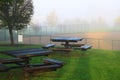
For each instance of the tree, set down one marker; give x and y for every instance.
(117, 22)
(35, 28)
(15, 15)
(52, 18)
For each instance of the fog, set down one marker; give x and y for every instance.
(89, 10)
(74, 16)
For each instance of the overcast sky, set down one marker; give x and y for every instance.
(83, 9)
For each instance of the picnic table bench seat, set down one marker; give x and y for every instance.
(42, 68)
(74, 45)
(62, 49)
(47, 46)
(11, 60)
(3, 68)
(52, 61)
(84, 47)
(48, 65)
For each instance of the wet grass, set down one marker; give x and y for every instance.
(88, 65)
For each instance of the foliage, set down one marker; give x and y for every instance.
(15, 14)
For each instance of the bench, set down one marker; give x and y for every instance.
(11, 60)
(62, 49)
(85, 47)
(42, 68)
(48, 65)
(52, 61)
(48, 46)
(3, 68)
(20, 63)
(74, 45)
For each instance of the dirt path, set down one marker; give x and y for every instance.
(96, 35)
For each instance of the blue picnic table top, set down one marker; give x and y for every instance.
(66, 39)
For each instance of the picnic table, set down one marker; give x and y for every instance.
(26, 54)
(22, 57)
(68, 46)
(67, 40)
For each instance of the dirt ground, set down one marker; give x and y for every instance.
(101, 40)
(98, 35)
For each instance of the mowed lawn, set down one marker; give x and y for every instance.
(79, 65)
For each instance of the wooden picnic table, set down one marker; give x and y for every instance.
(26, 54)
(67, 40)
(22, 58)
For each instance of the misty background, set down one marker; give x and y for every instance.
(74, 16)
(98, 21)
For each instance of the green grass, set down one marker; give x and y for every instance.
(89, 65)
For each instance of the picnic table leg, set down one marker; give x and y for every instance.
(26, 75)
(66, 44)
(27, 64)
